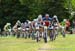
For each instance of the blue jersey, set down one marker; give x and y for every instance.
(49, 19)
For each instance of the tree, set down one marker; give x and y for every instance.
(11, 11)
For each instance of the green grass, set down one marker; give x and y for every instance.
(21, 44)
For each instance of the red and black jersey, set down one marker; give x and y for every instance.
(47, 23)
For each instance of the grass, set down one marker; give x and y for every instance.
(60, 44)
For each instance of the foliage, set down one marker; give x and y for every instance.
(13, 10)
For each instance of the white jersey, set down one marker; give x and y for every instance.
(27, 26)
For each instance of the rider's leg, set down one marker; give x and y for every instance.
(63, 31)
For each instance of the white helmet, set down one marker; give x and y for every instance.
(54, 16)
(8, 23)
(47, 15)
(29, 22)
(35, 20)
(64, 20)
(39, 16)
(18, 21)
